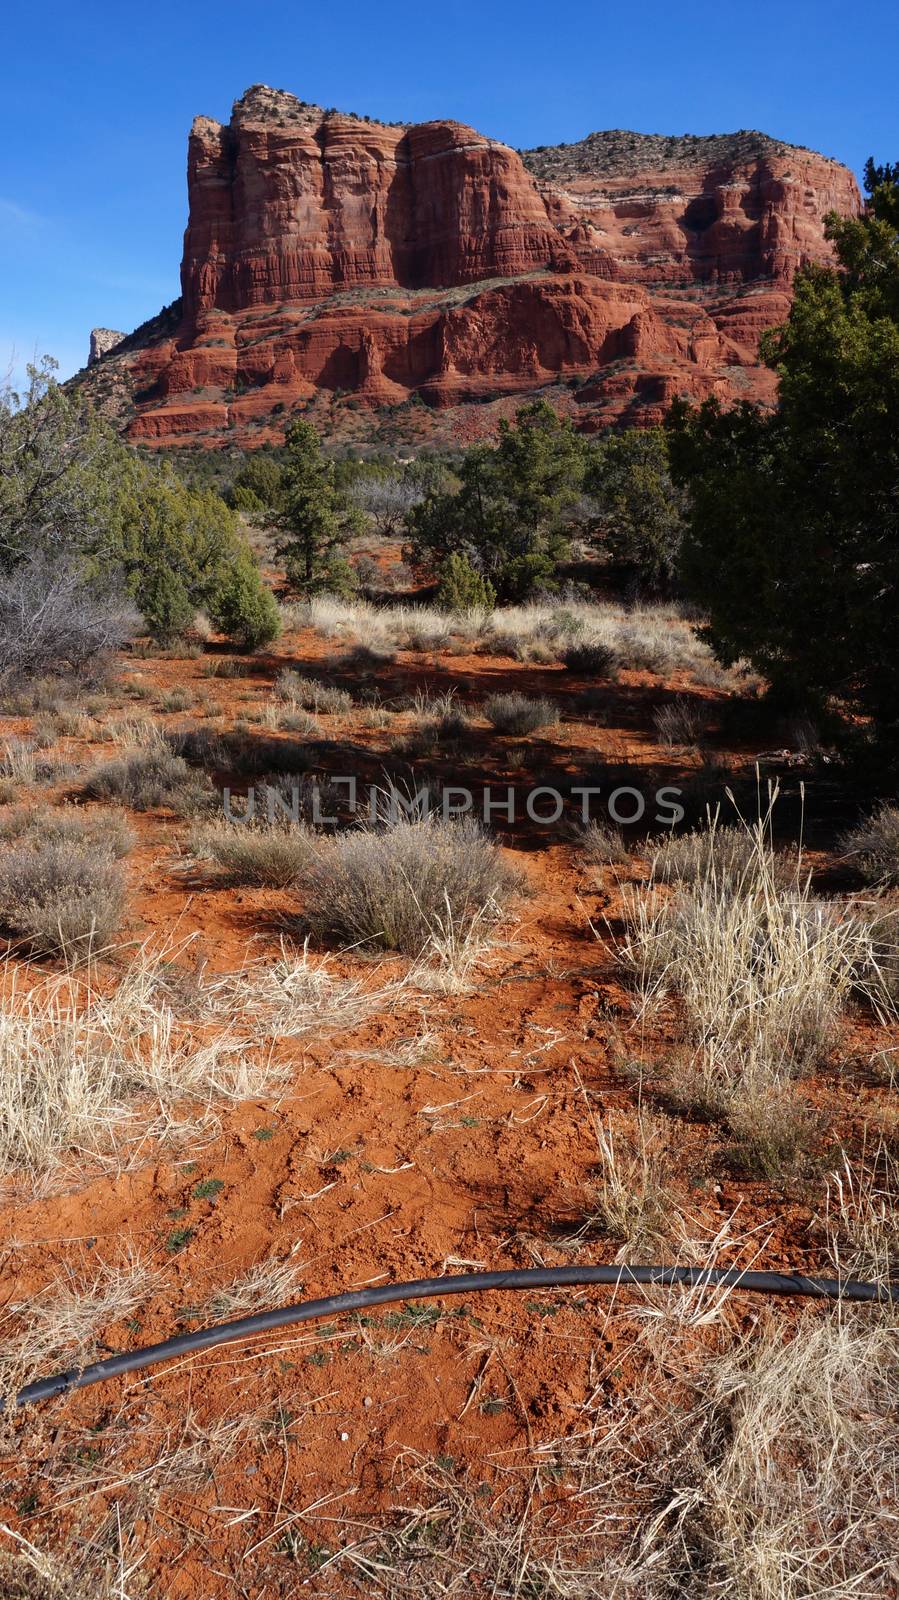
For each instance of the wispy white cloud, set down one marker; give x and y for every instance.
(17, 222)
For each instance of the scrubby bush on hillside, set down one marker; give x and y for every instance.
(311, 694)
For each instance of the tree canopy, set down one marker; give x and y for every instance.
(71, 490)
(792, 544)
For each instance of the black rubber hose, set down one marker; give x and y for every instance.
(458, 1283)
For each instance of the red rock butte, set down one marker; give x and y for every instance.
(329, 256)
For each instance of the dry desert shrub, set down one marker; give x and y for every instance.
(760, 973)
(396, 886)
(679, 723)
(67, 896)
(259, 853)
(516, 714)
(67, 824)
(874, 846)
(21, 767)
(310, 694)
(601, 844)
(725, 854)
(631, 1196)
(150, 776)
(591, 658)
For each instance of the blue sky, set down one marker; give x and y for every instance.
(98, 100)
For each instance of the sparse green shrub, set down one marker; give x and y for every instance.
(244, 608)
(460, 587)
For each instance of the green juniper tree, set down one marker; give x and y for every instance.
(792, 544)
(639, 508)
(516, 506)
(313, 519)
(72, 492)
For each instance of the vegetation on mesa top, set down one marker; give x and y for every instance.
(618, 153)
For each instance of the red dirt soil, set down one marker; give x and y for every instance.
(479, 1149)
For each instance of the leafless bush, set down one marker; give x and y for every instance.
(679, 723)
(396, 887)
(874, 846)
(516, 714)
(54, 620)
(386, 501)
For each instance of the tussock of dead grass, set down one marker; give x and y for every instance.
(405, 885)
(60, 1327)
(91, 1071)
(760, 974)
(759, 1462)
(299, 994)
(264, 1285)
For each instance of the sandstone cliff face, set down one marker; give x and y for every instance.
(325, 253)
(102, 341)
